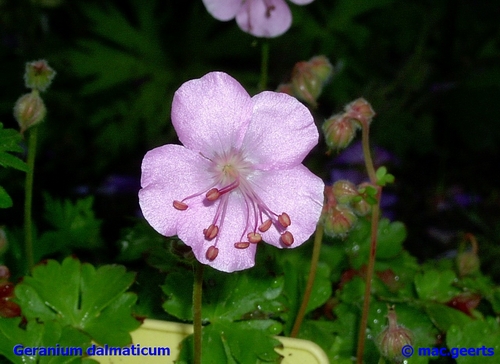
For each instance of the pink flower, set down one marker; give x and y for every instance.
(238, 179)
(262, 18)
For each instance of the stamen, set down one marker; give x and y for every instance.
(287, 238)
(265, 226)
(212, 253)
(242, 245)
(181, 206)
(284, 220)
(213, 194)
(211, 232)
(254, 237)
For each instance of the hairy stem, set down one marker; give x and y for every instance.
(197, 294)
(318, 237)
(28, 198)
(264, 65)
(373, 243)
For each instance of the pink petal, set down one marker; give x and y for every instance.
(299, 193)
(222, 9)
(264, 18)
(199, 217)
(169, 173)
(301, 2)
(282, 131)
(211, 113)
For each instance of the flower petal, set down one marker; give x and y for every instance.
(211, 113)
(222, 9)
(301, 2)
(199, 217)
(264, 18)
(169, 173)
(282, 131)
(299, 193)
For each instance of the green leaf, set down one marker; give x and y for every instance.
(49, 335)
(444, 317)
(81, 296)
(75, 224)
(179, 290)
(5, 200)
(226, 297)
(390, 238)
(223, 343)
(434, 285)
(477, 342)
(10, 140)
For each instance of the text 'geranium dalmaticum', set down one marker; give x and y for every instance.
(238, 179)
(261, 18)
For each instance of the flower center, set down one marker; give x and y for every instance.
(230, 172)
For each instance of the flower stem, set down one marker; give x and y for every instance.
(264, 65)
(318, 237)
(365, 140)
(369, 275)
(197, 294)
(373, 243)
(28, 198)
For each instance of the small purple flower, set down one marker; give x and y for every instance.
(261, 18)
(238, 179)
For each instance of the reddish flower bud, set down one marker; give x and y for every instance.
(394, 338)
(361, 207)
(285, 88)
(468, 261)
(339, 131)
(38, 75)
(309, 78)
(344, 191)
(29, 110)
(4, 273)
(321, 68)
(361, 110)
(339, 221)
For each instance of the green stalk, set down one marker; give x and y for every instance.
(28, 200)
(264, 64)
(373, 244)
(197, 295)
(318, 237)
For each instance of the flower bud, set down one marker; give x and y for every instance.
(308, 78)
(394, 338)
(339, 220)
(361, 110)
(361, 207)
(285, 88)
(321, 68)
(344, 191)
(4, 273)
(305, 84)
(38, 75)
(29, 110)
(339, 131)
(467, 263)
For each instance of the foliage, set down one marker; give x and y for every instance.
(70, 304)
(9, 142)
